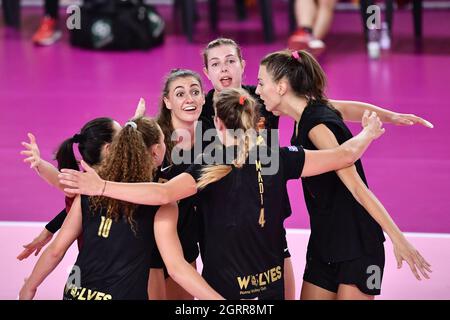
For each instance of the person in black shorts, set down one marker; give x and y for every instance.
(118, 237)
(243, 229)
(224, 66)
(345, 256)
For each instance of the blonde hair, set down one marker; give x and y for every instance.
(237, 110)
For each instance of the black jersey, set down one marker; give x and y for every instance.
(341, 229)
(188, 217)
(243, 255)
(187, 226)
(268, 121)
(56, 223)
(114, 261)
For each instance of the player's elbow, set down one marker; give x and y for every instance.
(56, 252)
(349, 157)
(164, 196)
(174, 269)
(358, 191)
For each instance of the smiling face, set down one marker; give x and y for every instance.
(268, 91)
(185, 99)
(224, 67)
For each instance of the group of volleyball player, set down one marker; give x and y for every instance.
(155, 194)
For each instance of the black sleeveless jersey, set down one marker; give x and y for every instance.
(187, 226)
(114, 260)
(341, 229)
(268, 121)
(242, 246)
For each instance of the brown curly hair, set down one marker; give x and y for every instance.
(129, 160)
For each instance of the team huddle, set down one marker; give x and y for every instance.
(207, 178)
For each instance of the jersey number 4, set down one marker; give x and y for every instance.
(105, 227)
(262, 220)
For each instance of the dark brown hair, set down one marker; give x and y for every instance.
(304, 74)
(91, 139)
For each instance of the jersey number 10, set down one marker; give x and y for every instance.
(105, 227)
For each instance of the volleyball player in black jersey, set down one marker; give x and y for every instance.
(224, 66)
(93, 142)
(347, 220)
(118, 237)
(243, 226)
(180, 107)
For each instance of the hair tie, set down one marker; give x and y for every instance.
(242, 100)
(296, 56)
(131, 124)
(77, 138)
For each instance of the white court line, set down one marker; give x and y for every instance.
(22, 224)
(408, 234)
(289, 231)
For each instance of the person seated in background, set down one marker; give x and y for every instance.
(314, 19)
(48, 32)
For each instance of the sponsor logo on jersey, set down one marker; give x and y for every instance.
(87, 294)
(258, 282)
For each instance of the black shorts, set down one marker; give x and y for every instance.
(190, 255)
(365, 272)
(190, 252)
(188, 235)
